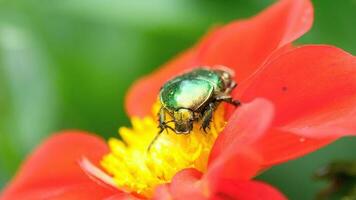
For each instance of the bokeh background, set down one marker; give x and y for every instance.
(67, 65)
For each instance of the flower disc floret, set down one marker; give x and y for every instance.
(138, 170)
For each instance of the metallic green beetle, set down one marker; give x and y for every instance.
(194, 96)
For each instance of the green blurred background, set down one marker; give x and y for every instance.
(68, 64)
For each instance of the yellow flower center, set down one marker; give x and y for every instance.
(135, 169)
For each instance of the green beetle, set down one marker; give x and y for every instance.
(194, 96)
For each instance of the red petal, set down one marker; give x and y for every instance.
(314, 90)
(241, 45)
(52, 170)
(245, 45)
(246, 190)
(143, 93)
(232, 156)
(337, 119)
(162, 192)
(279, 146)
(123, 196)
(185, 185)
(188, 185)
(310, 85)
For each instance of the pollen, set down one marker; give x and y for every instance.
(137, 170)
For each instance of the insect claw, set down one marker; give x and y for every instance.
(236, 103)
(204, 129)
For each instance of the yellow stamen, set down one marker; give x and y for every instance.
(135, 169)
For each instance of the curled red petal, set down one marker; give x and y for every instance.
(52, 171)
(245, 190)
(241, 45)
(232, 156)
(162, 192)
(188, 184)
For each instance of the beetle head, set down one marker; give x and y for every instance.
(183, 119)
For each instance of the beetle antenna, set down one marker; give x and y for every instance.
(154, 139)
(158, 134)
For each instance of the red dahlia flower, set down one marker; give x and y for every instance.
(295, 100)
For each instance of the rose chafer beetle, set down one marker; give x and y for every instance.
(193, 97)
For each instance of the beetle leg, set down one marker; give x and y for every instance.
(162, 121)
(232, 86)
(229, 99)
(161, 117)
(207, 116)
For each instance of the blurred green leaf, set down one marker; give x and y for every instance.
(30, 100)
